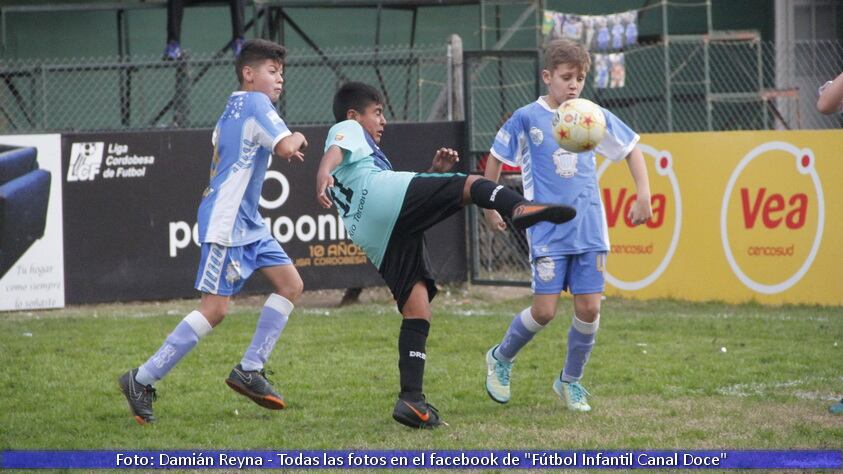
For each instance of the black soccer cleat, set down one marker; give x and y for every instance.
(529, 213)
(139, 396)
(416, 414)
(255, 385)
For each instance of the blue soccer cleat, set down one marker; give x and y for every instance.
(172, 51)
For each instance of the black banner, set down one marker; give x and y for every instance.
(130, 202)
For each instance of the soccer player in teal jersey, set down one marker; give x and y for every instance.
(235, 241)
(386, 212)
(564, 257)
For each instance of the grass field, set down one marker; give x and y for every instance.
(658, 377)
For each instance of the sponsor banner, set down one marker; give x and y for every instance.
(737, 216)
(131, 200)
(416, 459)
(31, 241)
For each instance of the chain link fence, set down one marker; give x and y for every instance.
(89, 94)
(496, 84)
(725, 82)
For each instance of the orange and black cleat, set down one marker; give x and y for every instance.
(139, 397)
(418, 414)
(530, 213)
(255, 385)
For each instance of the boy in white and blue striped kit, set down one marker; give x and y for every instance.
(235, 241)
(564, 257)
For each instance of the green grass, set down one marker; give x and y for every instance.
(658, 377)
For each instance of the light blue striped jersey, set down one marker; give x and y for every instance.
(553, 175)
(243, 139)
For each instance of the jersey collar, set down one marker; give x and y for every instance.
(544, 104)
(380, 159)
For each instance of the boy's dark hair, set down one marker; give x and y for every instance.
(565, 51)
(355, 96)
(256, 51)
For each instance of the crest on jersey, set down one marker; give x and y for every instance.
(232, 272)
(536, 136)
(566, 163)
(545, 268)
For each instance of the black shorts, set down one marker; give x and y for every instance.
(430, 199)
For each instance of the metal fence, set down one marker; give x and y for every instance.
(727, 82)
(723, 82)
(88, 94)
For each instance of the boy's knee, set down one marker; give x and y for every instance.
(588, 312)
(291, 289)
(215, 313)
(466, 189)
(543, 315)
(470, 179)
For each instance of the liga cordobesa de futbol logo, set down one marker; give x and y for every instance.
(640, 254)
(772, 216)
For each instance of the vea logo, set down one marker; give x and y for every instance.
(772, 216)
(617, 207)
(772, 210)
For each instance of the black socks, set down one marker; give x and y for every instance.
(489, 195)
(411, 357)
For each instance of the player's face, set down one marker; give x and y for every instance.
(564, 82)
(266, 77)
(372, 120)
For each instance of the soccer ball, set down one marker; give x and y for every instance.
(578, 125)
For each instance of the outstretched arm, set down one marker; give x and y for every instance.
(493, 174)
(324, 179)
(291, 146)
(831, 97)
(641, 210)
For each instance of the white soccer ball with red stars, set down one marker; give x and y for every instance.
(578, 125)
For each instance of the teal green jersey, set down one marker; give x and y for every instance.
(368, 194)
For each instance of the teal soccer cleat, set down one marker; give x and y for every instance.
(573, 394)
(497, 377)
